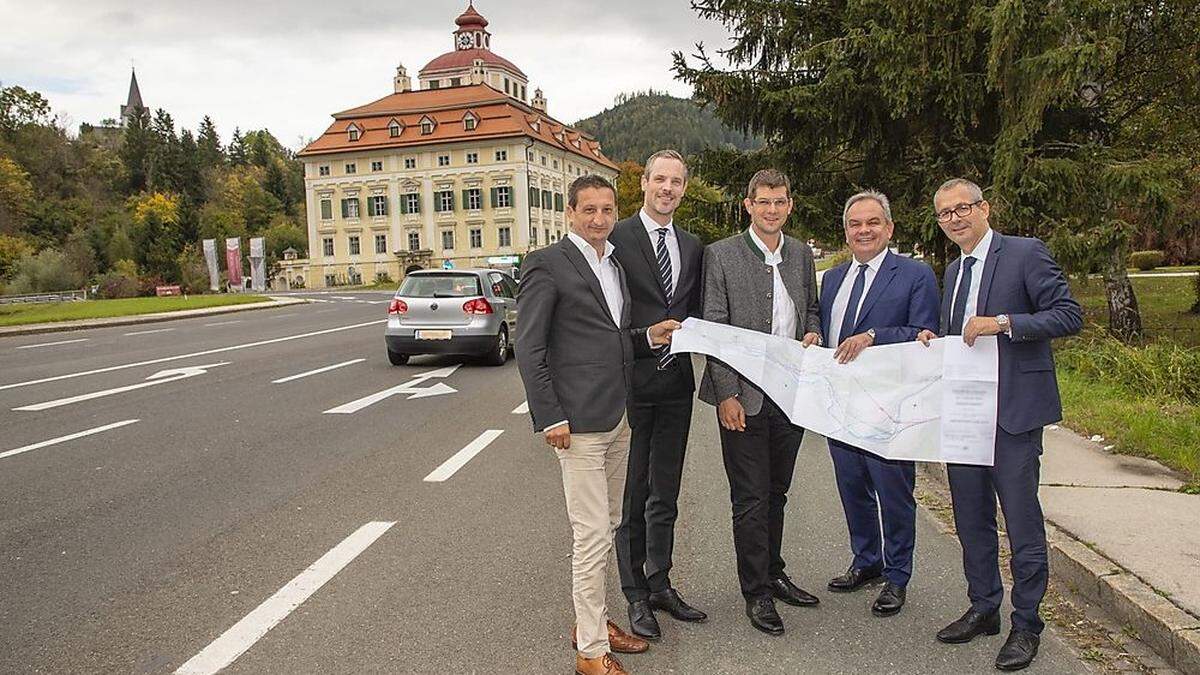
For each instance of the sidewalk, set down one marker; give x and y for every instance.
(53, 327)
(1122, 536)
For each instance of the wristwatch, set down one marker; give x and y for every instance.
(871, 333)
(1003, 322)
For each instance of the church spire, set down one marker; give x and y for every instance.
(134, 103)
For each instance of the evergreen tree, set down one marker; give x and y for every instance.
(135, 151)
(209, 142)
(237, 149)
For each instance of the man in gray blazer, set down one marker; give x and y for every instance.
(575, 353)
(766, 281)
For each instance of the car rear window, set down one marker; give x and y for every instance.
(448, 285)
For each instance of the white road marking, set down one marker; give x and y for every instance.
(223, 323)
(52, 344)
(460, 458)
(64, 439)
(243, 634)
(148, 332)
(280, 316)
(522, 409)
(161, 377)
(343, 297)
(165, 359)
(409, 387)
(317, 371)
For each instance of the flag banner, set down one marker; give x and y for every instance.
(210, 259)
(233, 262)
(258, 264)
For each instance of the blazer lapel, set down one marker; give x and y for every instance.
(948, 282)
(887, 272)
(685, 257)
(830, 284)
(989, 273)
(625, 303)
(643, 240)
(585, 270)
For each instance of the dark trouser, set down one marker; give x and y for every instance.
(759, 462)
(1014, 479)
(874, 489)
(646, 536)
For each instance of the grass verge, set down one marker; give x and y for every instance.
(17, 315)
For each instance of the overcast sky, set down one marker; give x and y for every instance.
(286, 66)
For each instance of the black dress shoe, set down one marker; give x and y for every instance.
(969, 625)
(674, 605)
(855, 578)
(642, 621)
(890, 600)
(763, 616)
(1018, 651)
(785, 590)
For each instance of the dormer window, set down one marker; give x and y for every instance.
(470, 121)
(427, 125)
(537, 126)
(394, 129)
(353, 132)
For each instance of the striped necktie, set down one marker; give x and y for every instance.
(664, 276)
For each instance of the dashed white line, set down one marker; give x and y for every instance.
(317, 371)
(148, 332)
(64, 439)
(52, 344)
(243, 634)
(460, 458)
(223, 323)
(521, 409)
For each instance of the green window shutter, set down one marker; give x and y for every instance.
(451, 193)
(533, 197)
(466, 198)
(492, 198)
(403, 204)
(345, 208)
(558, 201)
(370, 207)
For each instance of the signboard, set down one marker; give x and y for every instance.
(447, 264)
(258, 264)
(210, 259)
(233, 261)
(503, 260)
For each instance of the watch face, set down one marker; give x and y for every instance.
(464, 41)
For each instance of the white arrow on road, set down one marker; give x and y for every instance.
(161, 377)
(411, 388)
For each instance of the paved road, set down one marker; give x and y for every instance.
(135, 548)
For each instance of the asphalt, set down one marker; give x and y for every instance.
(131, 550)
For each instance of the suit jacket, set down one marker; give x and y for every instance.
(738, 285)
(902, 300)
(640, 261)
(575, 359)
(1020, 279)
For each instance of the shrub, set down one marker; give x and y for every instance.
(47, 271)
(839, 256)
(114, 284)
(383, 278)
(1163, 369)
(1146, 260)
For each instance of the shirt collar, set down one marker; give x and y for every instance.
(652, 227)
(586, 249)
(874, 263)
(981, 249)
(769, 257)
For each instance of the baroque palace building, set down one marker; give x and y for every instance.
(465, 171)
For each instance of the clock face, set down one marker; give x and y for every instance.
(465, 41)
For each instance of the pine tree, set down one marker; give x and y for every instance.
(209, 142)
(237, 149)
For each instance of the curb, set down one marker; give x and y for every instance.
(1173, 633)
(84, 324)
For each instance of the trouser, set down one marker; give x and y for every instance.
(759, 463)
(877, 491)
(646, 536)
(974, 489)
(593, 470)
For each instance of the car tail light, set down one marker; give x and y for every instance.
(477, 306)
(397, 306)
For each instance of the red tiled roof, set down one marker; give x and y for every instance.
(499, 116)
(463, 58)
(470, 17)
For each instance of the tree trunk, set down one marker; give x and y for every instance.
(1124, 318)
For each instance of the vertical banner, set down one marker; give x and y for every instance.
(258, 264)
(233, 262)
(210, 258)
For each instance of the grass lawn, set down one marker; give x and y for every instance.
(1164, 304)
(19, 314)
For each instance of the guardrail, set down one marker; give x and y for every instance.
(57, 296)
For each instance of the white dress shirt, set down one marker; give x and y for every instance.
(605, 269)
(980, 255)
(652, 229)
(783, 310)
(838, 311)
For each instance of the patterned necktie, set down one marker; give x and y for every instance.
(851, 316)
(664, 275)
(959, 310)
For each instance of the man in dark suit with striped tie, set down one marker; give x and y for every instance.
(662, 265)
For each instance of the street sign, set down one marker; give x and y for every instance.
(447, 264)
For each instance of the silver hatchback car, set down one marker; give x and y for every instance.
(468, 312)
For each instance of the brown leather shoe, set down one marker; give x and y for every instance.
(620, 641)
(601, 665)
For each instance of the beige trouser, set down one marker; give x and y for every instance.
(593, 471)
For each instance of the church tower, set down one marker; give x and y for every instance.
(133, 106)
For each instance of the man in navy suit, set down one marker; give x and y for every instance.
(1009, 287)
(877, 298)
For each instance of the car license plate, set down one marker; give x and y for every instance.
(434, 334)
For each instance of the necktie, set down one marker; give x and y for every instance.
(960, 298)
(851, 316)
(664, 275)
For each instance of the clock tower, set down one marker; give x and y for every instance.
(472, 31)
(472, 61)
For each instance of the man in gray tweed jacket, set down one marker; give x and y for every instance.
(766, 281)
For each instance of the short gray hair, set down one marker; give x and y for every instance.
(667, 154)
(973, 190)
(878, 196)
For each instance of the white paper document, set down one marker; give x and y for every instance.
(900, 401)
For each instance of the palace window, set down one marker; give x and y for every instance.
(444, 200)
(505, 237)
(533, 236)
(393, 129)
(355, 249)
(448, 239)
(476, 237)
(326, 209)
(352, 168)
(352, 132)
(350, 208)
(414, 241)
(323, 170)
(472, 158)
(410, 203)
(377, 165)
(501, 155)
(327, 246)
(443, 160)
(473, 199)
(410, 162)
(377, 206)
(501, 197)
(381, 243)
(427, 125)
(470, 121)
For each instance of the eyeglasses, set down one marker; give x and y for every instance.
(962, 211)
(765, 203)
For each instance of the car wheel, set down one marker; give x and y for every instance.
(499, 352)
(397, 359)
